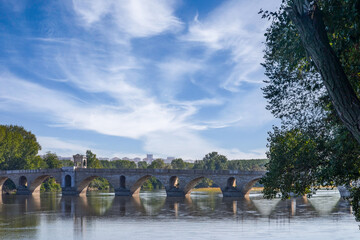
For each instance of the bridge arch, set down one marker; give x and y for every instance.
(68, 181)
(36, 183)
(192, 184)
(174, 182)
(248, 185)
(122, 182)
(84, 183)
(136, 187)
(23, 182)
(231, 183)
(3, 180)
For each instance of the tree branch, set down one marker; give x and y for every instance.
(307, 18)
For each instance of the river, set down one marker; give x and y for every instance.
(103, 216)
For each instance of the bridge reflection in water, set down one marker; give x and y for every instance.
(79, 209)
(37, 215)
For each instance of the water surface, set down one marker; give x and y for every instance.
(154, 216)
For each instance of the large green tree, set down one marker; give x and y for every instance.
(18, 148)
(92, 161)
(157, 164)
(307, 17)
(312, 61)
(212, 161)
(178, 163)
(52, 160)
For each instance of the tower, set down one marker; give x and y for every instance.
(80, 161)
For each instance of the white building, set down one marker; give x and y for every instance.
(149, 158)
(169, 159)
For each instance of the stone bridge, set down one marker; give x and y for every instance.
(127, 182)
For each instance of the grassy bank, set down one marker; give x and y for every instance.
(215, 190)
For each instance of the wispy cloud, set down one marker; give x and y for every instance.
(61, 147)
(189, 145)
(136, 18)
(94, 79)
(234, 26)
(132, 121)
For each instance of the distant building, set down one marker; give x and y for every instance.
(169, 159)
(115, 159)
(137, 159)
(80, 161)
(149, 158)
(126, 158)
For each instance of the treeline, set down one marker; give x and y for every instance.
(211, 161)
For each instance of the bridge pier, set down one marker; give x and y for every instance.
(20, 190)
(69, 191)
(233, 193)
(175, 192)
(123, 192)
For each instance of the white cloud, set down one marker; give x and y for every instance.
(247, 109)
(99, 83)
(134, 121)
(66, 148)
(189, 145)
(234, 26)
(164, 131)
(136, 18)
(60, 146)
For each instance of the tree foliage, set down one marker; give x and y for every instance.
(142, 164)
(50, 185)
(212, 161)
(178, 163)
(313, 147)
(51, 160)
(157, 164)
(18, 148)
(92, 161)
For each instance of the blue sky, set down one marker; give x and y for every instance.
(126, 78)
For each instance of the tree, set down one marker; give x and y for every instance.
(52, 160)
(37, 163)
(307, 18)
(49, 185)
(18, 148)
(295, 89)
(124, 164)
(142, 164)
(67, 163)
(248, 165)
(294, 157)
(312, 86)
(302, 160)
(178, 163)
(92, 161)
(215, 161)
(157, 164)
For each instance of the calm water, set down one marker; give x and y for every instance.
(153, 216)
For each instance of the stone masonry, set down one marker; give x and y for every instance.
(127, 182)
